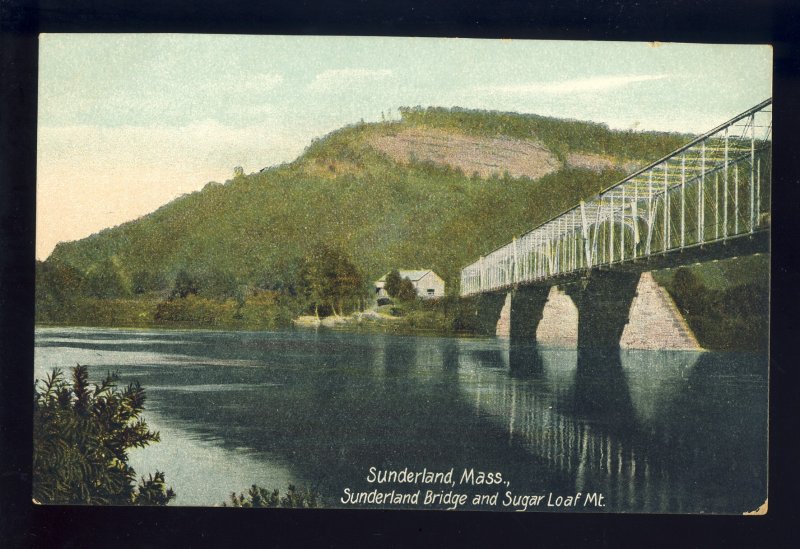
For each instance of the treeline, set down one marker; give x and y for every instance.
(325, 282)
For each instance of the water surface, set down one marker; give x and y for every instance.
(673, 432)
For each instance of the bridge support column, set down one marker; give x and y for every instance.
(488, 308)
(527, 308)
(521, 313)
(604, 303)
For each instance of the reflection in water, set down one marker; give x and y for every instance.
(639, 426)
(601, 391)
(652, 432)
(525, 360)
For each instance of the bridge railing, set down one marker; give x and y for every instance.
(713, 188)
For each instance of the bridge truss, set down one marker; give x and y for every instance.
(714, 188)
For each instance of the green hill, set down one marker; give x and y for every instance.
(351, 190)
(436, 190)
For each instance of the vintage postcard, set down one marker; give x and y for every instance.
(402, 273)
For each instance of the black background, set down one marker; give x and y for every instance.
(735, 21)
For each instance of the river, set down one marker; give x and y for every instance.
(655, 432)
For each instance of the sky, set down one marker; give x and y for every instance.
(129, 122)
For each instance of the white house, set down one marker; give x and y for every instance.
(428, 284)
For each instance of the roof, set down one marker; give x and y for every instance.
(411, 275)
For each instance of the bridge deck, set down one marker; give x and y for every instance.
(703, 201)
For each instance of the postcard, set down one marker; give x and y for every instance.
(402, 273)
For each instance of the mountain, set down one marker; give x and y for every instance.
(436, 190)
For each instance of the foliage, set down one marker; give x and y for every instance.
(406, 291)
(185, 285)
(58, 289)
(730, 315)
(330, 278)
(267, 310)
(82, 434)
(446, 315)
(261, 497)
(144, 281)
(196, 310)
(392, 283)
(107, 279)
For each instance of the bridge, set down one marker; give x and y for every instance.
(708, 200)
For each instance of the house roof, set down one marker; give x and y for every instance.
(411, 275)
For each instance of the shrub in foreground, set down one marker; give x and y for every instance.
(81, 437)
(262, 497)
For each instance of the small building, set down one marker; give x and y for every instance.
(428, 284)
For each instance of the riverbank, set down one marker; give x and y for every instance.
(432, 318)
(407, 318)
(731, 319)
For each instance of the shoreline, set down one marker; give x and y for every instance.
(358, 322)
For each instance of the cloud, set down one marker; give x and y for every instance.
(578, 85)
(337, 78)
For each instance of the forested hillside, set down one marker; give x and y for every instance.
(344, 192)
(435, 190)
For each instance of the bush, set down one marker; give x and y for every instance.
(406, 291)
(266, 310)
(261, 497)
(81, 437)
(197, 310)
(392, 283)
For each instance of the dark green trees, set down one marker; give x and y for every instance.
(185, 284)
(392, 284)
(406, 291)
(58, 290)
(400, 288)
(81, 437)
(107, 280)
(330, 280)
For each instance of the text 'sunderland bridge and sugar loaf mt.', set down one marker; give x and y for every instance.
(466, 308)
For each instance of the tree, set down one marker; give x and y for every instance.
(329, 278)
(81, 438)
(216, 283)
(185, 284)
(107, 280)
(58, 290)
(392, 284)
(144, 281)
(407, 291)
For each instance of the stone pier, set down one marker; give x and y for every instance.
(559, 324)
(488, 310)
(655, 321)
(603, 301)
(521, 313)
(606, 310)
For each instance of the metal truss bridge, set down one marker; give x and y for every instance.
(708, 199)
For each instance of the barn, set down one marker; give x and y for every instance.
(428, 284)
